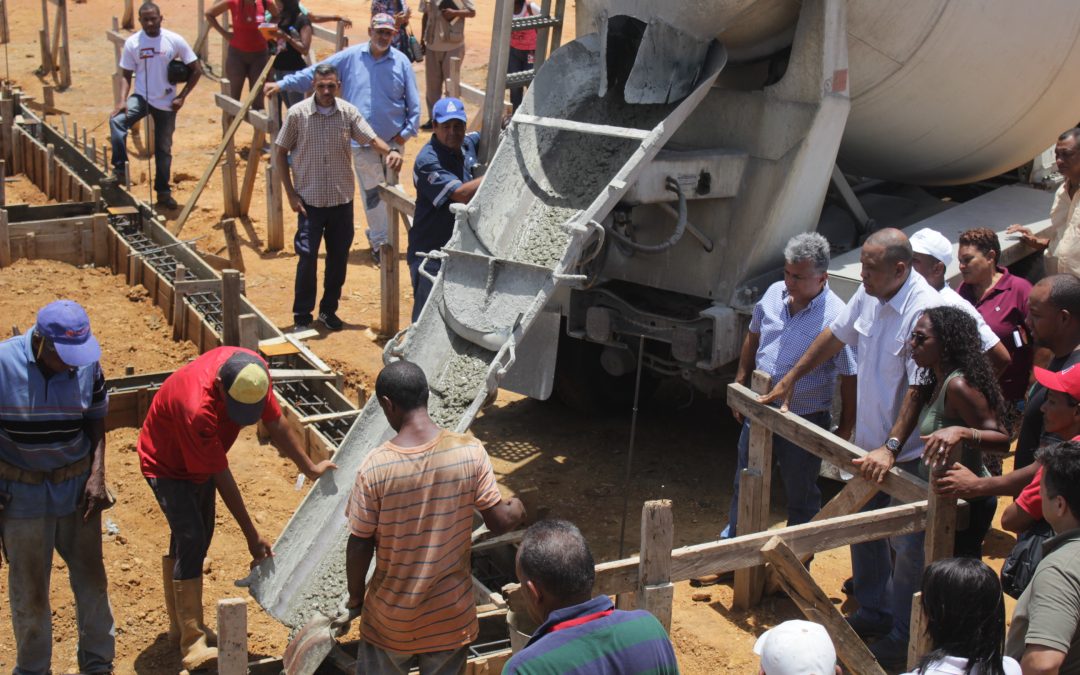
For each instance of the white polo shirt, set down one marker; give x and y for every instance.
(148, 58)
(987, 337)
(880, 332)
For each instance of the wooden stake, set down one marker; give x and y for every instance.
(251, 170)
(50, 169)
(817, 607)
(31, 246)
(655, 592)
(232, 637)
(228, 166)
(755, 487)
(249, 332)
(3, 183)
(919, 641)
(48, 98)
(275, 215)
(232, 241)
(128, 22)
(5, 239)
(178, 303)
(230, 308)
(390, 319)
(178, 226)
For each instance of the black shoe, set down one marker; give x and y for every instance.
(301, 322)
(427, 126)
(118, 176)
(848, 587)
(376, 257)
(868, 628)
(166, 201)
(331, 321)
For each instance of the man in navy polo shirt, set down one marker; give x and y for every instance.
(52, 476)
(443, 173)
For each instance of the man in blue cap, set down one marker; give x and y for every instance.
(443, 173)
(52, 483)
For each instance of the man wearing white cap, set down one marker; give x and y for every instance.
(932, 254)
(796, 648)
(52, 483)
(191, 425)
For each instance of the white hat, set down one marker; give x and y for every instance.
(932, 243)
(796, 648)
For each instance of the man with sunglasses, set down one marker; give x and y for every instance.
(52, 483)
(316, 133)
(380, 82)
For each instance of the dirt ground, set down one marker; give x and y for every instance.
(564, 463)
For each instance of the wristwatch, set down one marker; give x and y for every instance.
(893, 445)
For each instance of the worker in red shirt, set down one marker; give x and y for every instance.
(193, 421)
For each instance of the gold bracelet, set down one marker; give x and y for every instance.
(975, 437)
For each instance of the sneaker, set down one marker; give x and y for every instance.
(301, 322)
(118, 176)
(331, 321)
(869, 628)
(166, 201)
(891, 652)
(376, 257)
(427, 126)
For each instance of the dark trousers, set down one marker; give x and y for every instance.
(421, 285)
(189, 509)
(164, 124)
(519, 60)
(335, 223)
(969, 541)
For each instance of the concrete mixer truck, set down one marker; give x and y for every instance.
(811, 96)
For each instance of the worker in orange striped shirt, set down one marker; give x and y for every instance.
(412, 510)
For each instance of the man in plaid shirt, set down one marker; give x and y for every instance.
(317, 132)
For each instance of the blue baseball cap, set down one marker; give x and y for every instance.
(66, 324)
(448, 108)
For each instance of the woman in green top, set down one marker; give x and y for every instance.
(962, 407)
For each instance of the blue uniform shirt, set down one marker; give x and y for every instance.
(43, 427)
(383, 90)
(438, 171)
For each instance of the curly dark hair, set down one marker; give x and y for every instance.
(984, 239)
(958, 335)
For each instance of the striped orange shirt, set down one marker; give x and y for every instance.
(418, 504)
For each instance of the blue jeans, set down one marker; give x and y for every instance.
(29, 544)
(883, 586)
(164, 124)
(335, 223)
(421, 285)
(798, 470)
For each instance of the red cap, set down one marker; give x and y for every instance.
(1066, 381)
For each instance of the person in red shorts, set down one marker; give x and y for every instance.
(1061, 417)
(193, 421)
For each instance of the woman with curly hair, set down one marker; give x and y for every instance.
(965, 619)
(961, 408)
(1001, 299)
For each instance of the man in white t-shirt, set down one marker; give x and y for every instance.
(146, 55)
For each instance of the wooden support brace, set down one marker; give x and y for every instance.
(251, 170)
(232, 637)
(128, 22)
(817, 607)
(230, 308)
(232, 242)
(178, 226)
(755, 488)
(655, 592)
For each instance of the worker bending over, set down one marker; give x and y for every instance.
(193, 421)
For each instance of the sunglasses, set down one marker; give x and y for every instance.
(918, 338)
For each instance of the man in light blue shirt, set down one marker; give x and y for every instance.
(380, 82)
(786, 321)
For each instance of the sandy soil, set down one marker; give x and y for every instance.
(563, 463)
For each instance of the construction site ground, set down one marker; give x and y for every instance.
(563, 463)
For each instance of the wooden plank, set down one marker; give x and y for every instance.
(396, 197)
(308, 354)
(754, 502)
(3, 175)
(251, 170)
(627, 133)
(941, 524)
(817, 607)
(688, 562)
(49, 187)
(292, 375)
(655, 592)
(389, 278)
(100, 226)
(228, 166)
(30, 243)
(899, 484)
(256, 118)
(178, 226)
(230, 308)
(299, 335)
(311, 419)
(176, 316)
(232, 636)
(275, 216)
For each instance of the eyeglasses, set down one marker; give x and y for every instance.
(385, 32)
(918, 338)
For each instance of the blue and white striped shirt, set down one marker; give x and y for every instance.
(43, 427)
(785, 338)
